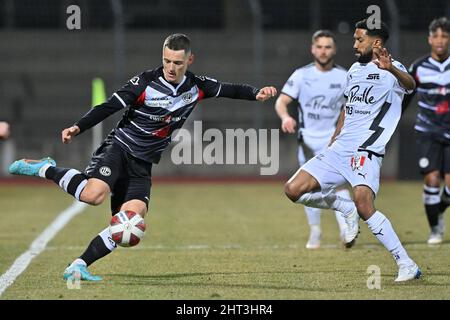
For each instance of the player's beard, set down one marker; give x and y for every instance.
(365, 58)
(323, 64)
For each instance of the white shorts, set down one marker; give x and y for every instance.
(331, 170)
(310, 147)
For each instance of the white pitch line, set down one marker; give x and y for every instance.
(39, 244)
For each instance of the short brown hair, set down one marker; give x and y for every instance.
(323, 33)
(178, 41)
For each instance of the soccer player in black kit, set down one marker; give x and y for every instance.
(432, 74)
(158, 102)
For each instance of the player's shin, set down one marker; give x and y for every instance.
(432, 200)
(99, 247)
(71, 181)
(381, 227)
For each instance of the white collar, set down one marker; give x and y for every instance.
(171, 87)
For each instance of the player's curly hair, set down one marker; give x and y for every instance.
(178, 41)
(382, 32)
(442, 23)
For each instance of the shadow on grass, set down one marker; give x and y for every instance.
(206, 281)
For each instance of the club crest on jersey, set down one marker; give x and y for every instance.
(135, 80)
(105, 171)
(187, 97)
(357, 162)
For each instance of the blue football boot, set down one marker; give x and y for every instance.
(27, 167)
(79, 271)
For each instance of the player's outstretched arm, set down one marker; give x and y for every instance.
(242, 91)
(266, 93)
(384, 61)
(68, 133)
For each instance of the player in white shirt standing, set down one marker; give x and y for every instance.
(375, 89)
(319, 89)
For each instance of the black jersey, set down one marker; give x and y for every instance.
(157, 108)
(433, 90)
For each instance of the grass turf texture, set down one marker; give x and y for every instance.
(234, 241)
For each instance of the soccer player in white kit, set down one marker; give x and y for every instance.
(319, 89)
(375, 89)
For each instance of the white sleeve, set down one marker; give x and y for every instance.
(292, 85)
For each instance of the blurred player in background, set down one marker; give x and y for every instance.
(375, 89)
(319, 89)
(158, 102)
(4, 130)
(432, 74)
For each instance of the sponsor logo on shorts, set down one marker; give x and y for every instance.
(362, 175)
(105, 171)
(357, 162)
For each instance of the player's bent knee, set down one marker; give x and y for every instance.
(432, 179)
(93, 197)
(292, 191)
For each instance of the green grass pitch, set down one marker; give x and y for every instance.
(212, 241)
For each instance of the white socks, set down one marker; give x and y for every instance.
(344, 194)
(382, 229)
(43, 169)
(107, 240)
(79, 261)
(327, 201)
(313, 215)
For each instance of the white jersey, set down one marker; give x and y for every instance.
(372, 111)
(320, 95)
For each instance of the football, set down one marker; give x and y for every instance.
(127, 228)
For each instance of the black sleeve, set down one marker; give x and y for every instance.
(126, 96)
(213, 88)
(238, 91)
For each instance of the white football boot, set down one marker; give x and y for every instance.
(352, 230)
(408, 272)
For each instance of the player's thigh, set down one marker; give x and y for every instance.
(317, 174)
(95, 189)
(105, 167)
(429, 153)
(301, 182)
(133, 189)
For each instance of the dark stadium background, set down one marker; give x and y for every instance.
(46, 69)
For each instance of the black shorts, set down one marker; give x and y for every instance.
(129, 178)
(433, 153)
